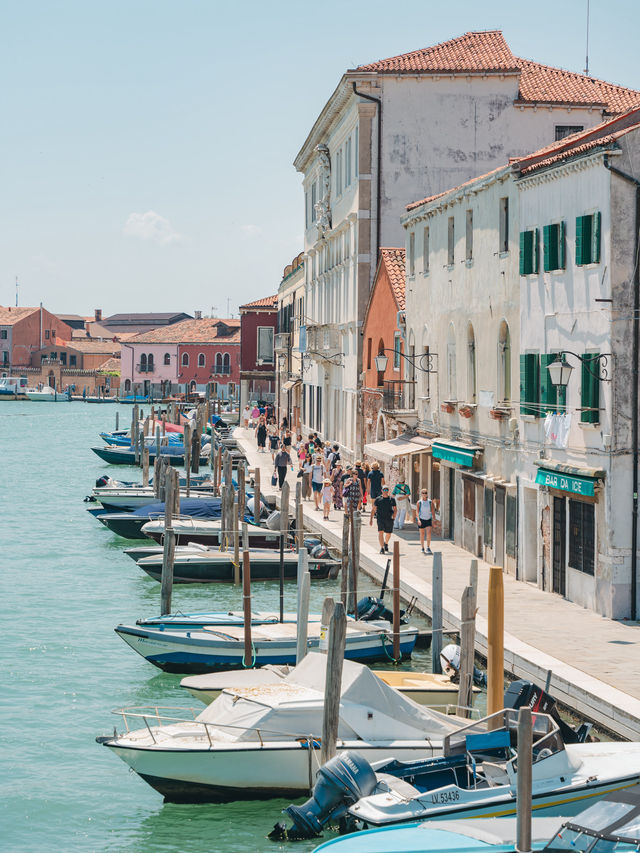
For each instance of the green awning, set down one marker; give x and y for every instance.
(566, 482)
(453, 453)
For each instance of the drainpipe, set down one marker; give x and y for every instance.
(634, 388)
(377, 101)
(41, 325)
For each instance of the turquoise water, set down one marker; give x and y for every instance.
(65, 585)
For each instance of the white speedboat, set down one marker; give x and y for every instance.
(46, 394)
(263, 742)
(476, 776)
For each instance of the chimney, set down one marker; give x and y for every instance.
(197, 315)
(98, 315)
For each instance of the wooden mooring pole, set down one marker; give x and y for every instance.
(248, 660)
(187, 457)
(256, 496)
(302, 623)
(396, 601)
(333, 682)
(344, 569)
(467, 650)
(166, 581)
(523, 782)
(236, 543)
(495, 642)
(436, 612)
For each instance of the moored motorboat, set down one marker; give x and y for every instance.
(130, 525)
(125, 456)
(263, 742)
(212, 648)
(46, 394)
(208, 532)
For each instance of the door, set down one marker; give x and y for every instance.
(559, 546)
(452, 503)
(499, 550)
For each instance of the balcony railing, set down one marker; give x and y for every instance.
(221, 370)
(282, 341)
(398, 395)
(145, 368)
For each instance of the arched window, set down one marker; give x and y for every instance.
(452, 388)
(218, 363)
(167, 358)
(200, 359)
(410, 388)
(226, 363)
(150, 363)
(193, 385)
(185, 359)
(504, 363)
(143, 363)
(471, 365)
(127, 386)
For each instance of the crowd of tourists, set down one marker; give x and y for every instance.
(332, 484)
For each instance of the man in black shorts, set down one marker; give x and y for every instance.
(384, 509)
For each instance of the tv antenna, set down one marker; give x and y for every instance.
(586, 64)
(16, 291)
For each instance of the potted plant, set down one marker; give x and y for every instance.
(498, 413)
(448, 406)
(467, 410)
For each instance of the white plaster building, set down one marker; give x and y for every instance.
(396, 130)
(463, 321)
(287, 343)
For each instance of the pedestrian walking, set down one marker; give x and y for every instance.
(307, 468)
(261, 434)
(424, 518)
(401, 492)
(327, 495)
(317, 479)
(246, 416)
(352, 492)
(282, 462)
(383, 509)
(376, 481)
(336, 482)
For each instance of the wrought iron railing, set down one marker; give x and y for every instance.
(398, 394)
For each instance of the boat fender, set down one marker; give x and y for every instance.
(340, 783)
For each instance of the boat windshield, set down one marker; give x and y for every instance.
(583, 842)
(605, 827)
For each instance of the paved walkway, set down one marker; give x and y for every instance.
(595, 661)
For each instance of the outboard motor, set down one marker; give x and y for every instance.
(321, 552)
(103, 481)
(340, 783)
(523, 693)
(273, 520)
(371, 609)
(310, 544)
(450, 662)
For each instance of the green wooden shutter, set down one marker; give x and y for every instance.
(579, 239)
(522, 252)
(535, 260)
(548, 391)
(562, 237)
(595, 238)
(590, 390)
(529, 383)
(546, 245)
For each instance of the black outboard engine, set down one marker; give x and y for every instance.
(522, 693)
(371, 609)
(340, 783)
(102, 481)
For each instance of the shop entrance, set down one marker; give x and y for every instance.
(559, 546)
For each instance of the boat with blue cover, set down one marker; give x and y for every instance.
(129, 524)
(126, 456)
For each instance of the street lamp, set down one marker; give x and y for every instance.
(422, 362)
(560, 370)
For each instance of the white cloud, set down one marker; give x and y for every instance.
(251, 230)
(151, 226)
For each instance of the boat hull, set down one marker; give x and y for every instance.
(248, 771)
(217, 570)
(118, 456)
(186, 533)
(193, 653)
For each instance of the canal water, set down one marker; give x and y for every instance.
(65, 584)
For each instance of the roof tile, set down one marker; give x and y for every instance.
(206, 330)
(265, 302)
(9, 316)
(394, 264)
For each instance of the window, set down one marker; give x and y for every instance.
(46, 334)
(53, 356)
(553, 242)
(3, 334)
(150, 362)
(218, 363)
(471, 365)
(63, 358)
(511, 523)
(380, 372)
(314, 199)
(425, 250)
(339, 172)
(530, 384)
(201, 359)
(581, 536)
(451, 364)
(306, 208)
(563, 130)
(5, 357)
(265, 344)
(127, 385)
(369, 344)
(397, 347)
(504, 363)
(226, 363)
(167, 358)
(451, 236)
(347, 176)
(529, 251)
(469, 236)
(469, 489)
(143, 363)
(412, 253)
(73, 360)
(356, 159)
(319, 408)
(588, 239)
(488, 518)
(504, 225)
(185, 359)
(590, 389)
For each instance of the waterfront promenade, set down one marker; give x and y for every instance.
(594, 661)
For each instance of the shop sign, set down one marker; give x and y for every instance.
(566, 482)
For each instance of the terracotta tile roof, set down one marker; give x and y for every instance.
(207, 330)
(89, 347)
(430, 198)
(474, 51)
(601, 136)
(265, 302)
(394, 264)
(9, 316)
(487, 51)
(111, 365)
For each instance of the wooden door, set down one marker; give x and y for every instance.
(559, 546)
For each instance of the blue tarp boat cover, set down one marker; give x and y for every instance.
(194, 507)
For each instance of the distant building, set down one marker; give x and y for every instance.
(258, 323)
(24, 331)
(287, 343)
(83, 354)
(193, 355)
(139, 323)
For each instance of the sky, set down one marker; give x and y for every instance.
(147, 146)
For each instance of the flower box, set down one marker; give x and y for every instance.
(468, 410)
(448, 407)
(499, 414)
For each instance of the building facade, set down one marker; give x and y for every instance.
(258, 325)
(406, 127)
(25, 331)
(287, 344)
